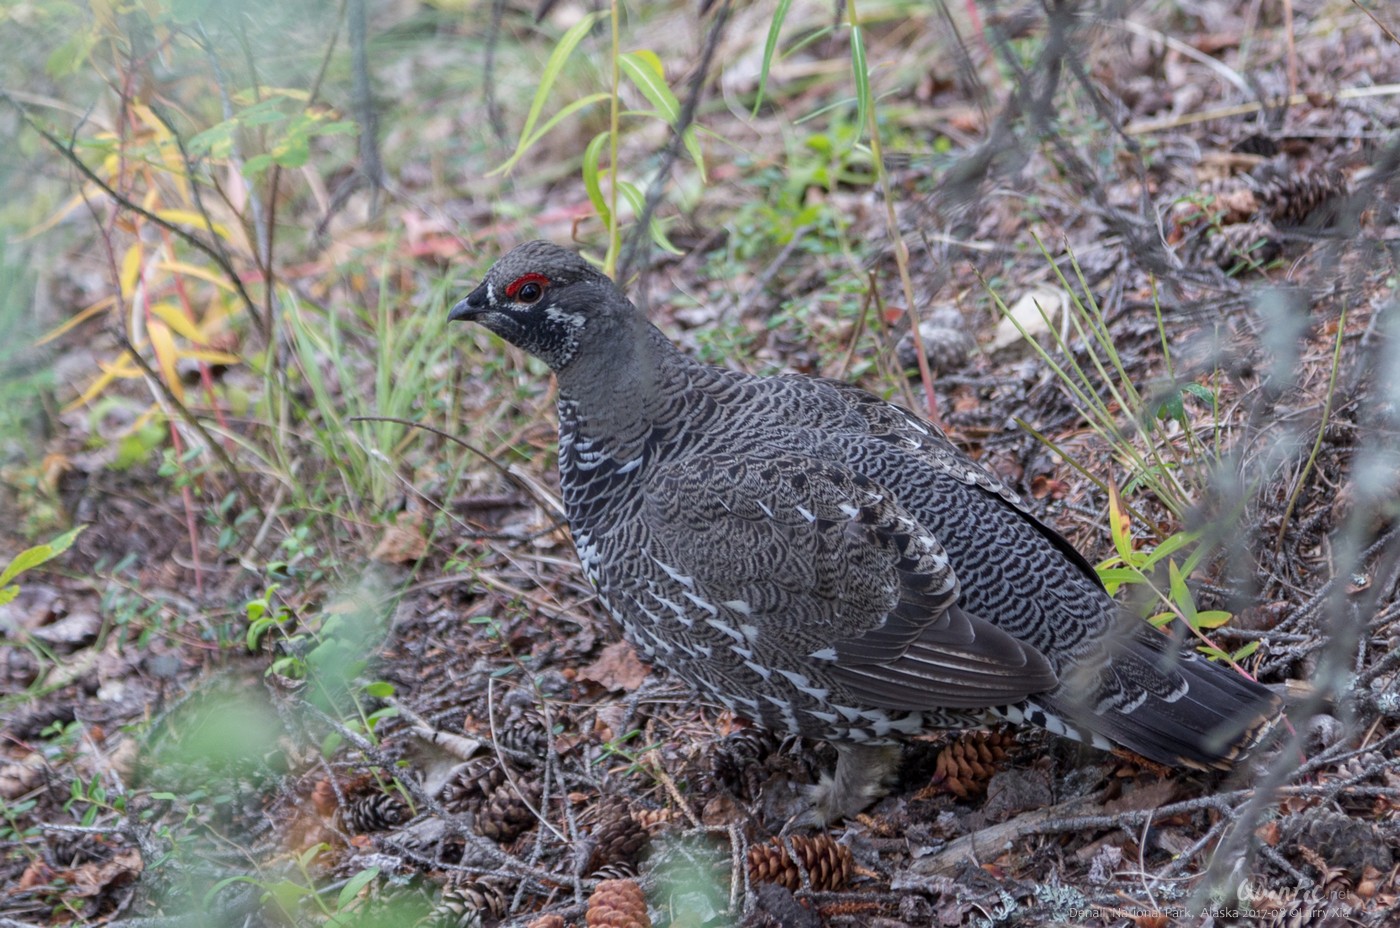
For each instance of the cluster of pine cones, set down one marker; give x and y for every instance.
(1241, 222)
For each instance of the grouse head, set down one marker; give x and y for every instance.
(550, 302)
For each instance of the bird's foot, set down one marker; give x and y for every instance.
(863, 774)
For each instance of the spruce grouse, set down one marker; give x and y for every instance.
(829, 565)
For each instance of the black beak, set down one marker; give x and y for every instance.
(474, 304)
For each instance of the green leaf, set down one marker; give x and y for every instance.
(645, 72)
(527, 142)
(30, 558)
(862, 75)
(658, 234)
(593, 177)
(380, 689)
(256, 165)
(769, 47)
(1118, 525)
(72, 55)
(1171, 408)
(353, 886)
(1200, 392)
(1169, 547)
(1211, 618)
(1245, 651)
(1181, 594)
(552, 68)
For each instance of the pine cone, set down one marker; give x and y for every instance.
(469, 786)
(1218, 203)
(375, 812)
(964, 767)
(507, 813)
(1293, 200)
(1361, 768)
(828, 864)
(617, 871)
(618, 904)
(466, 903)
(737, 764)
(1240, 247)
(1334, 843)
(618, 837)
(525, 734)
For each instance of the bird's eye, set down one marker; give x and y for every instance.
(527, 288)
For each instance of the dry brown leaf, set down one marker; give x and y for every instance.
(403, 540)
(91, 879)
(617, 669)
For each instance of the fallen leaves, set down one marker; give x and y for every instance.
(617, 669)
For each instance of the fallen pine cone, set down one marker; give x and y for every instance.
(618, 904)
(827, 863)
(375, 812)
(508, 813)
(964, 767)
(618, 837)
(466, 904)
(471, 784)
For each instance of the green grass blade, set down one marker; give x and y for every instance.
(769, 48)
(638, 202)
(860, 68)
(556, 119)
(557, 59)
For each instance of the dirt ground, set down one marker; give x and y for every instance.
(443, 727)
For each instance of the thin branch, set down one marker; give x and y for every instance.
(214, 254)
(632, 248)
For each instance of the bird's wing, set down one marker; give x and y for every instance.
(815, 567)
(892, 423)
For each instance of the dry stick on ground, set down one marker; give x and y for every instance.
(530, 490)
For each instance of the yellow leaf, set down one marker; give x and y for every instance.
(68, 206)
(249, 97)
(77, 320)
(1119, 525)
(652, 60)
(175, 165)
(212, 357)
(173, 316)
(130, 270)
(194, 270)
(109, 373)
(152, 121)
(192, 218)
(166, 355)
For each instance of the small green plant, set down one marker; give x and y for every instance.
(1152, 434)
(329, 651)
(646, 74)
(1142, 569)
(294, 898)
(30, 558)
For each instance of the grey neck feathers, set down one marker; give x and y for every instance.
(615, 396)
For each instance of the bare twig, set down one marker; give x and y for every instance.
(657, 187)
